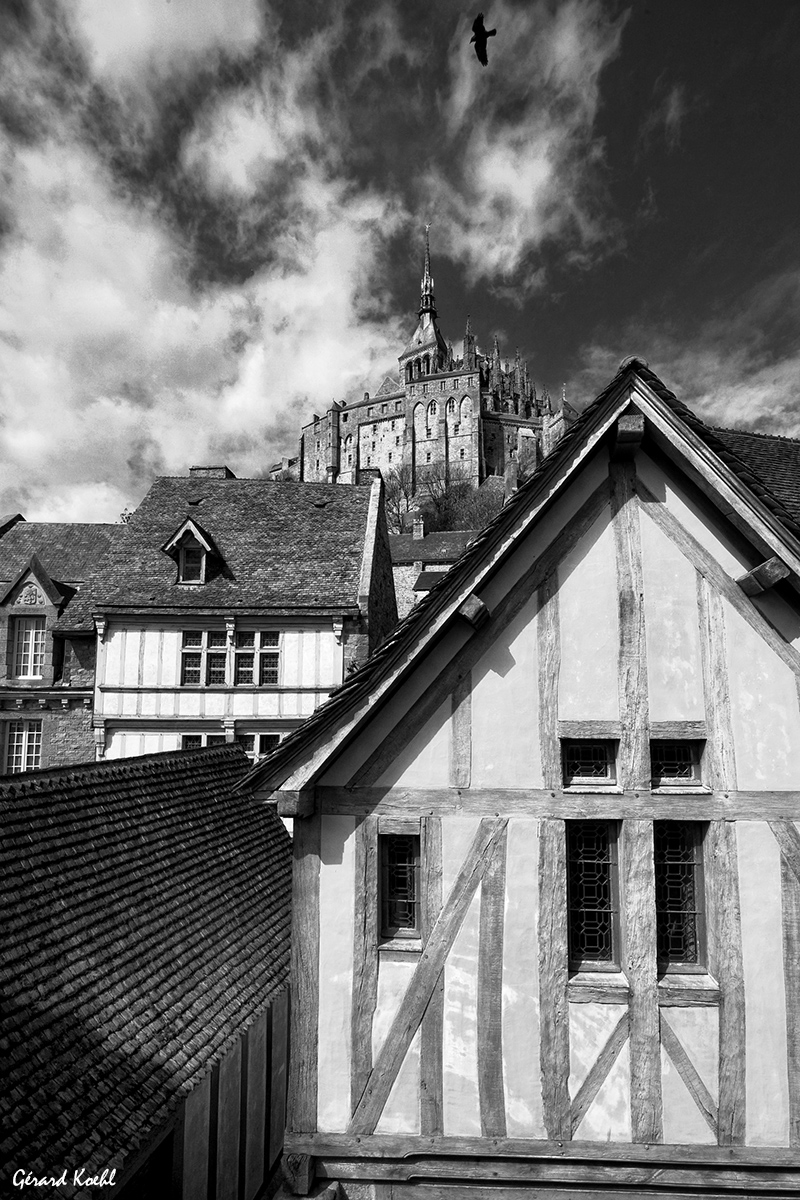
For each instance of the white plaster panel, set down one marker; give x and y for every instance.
(698, 1031)
(115, 745)
(215, 704)
(425, 762)
(703, 528)
(608, 1118)
(308, 673)
(152, 743)
(684, 1124)
(170, 658)
(461, 1105)
(765, 999)
(290, 654)
(127, 704)
(764, 710)
(330, 660)
(590, 1027)
(113, 657)
(587, 603)
(152, 653)
(130, 669)
(336, 906)
(672, 629)
(521, 1069)
(149, 704)
(505, 708)
(779, 613)
(401, 1111)
(545, 530)
(188, 704)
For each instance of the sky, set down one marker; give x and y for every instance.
(212, 217)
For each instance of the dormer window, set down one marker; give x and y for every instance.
(191, 561)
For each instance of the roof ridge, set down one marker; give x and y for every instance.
(35, 781)
(772, 437)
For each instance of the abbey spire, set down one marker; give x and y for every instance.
(427, 303)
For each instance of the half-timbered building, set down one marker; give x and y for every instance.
(546, 891)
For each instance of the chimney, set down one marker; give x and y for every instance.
(211, 473)
(511, 478)
(419, 527)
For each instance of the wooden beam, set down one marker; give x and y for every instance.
(725, 964)
(788, 839)
(294, 803)
(604, 730)
(302, 1115)
(422, 984)
(461, 733)
(490, 994)
(606, 804)
(689, 1074)
(365, 956)
(790, 905)
(707, 565)
(599, 1071)
(763, 577)
(432, 1031)
(474, 611)
(553, 958)
(719, 759)
(634, 746)
(628, 434)
(639, 957)
(504, 613)
(548, 638)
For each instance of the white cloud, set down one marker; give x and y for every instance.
(527, 145)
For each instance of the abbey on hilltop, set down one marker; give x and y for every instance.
(471, 414)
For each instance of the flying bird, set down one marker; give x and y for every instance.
(479, 37)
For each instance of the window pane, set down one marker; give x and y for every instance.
(245, 641)
(399, 890)
(29, 650)
(591, 891)
(217, 639)
(677, 847)
(584, 760)
(191, 741)
(247, 741)
(269, 639)
(215, 739)
(190, 668)
(244, 668)
(674, 761)
(192, 637)
(268, 670)
(24, 746)
(192, 564)
(267, 742)
(215, 669)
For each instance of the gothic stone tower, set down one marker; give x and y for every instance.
(470, 414)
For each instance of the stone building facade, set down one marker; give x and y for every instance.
(471, 414)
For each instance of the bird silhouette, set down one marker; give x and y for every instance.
(479, 37)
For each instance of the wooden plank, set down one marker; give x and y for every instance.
(677, 996)
(553, 956)
(548, 635)
(255, 1108)
(790, 905)
(305, 975)
(580, 991)
(689, 1074)
(719, 759)
(490, 994)
(589, 729)
(278, 1066)
(634, 746)
(461, 734)
(432, 1031)
(598, 1072)
(454, 1191)
(788, 839)
(764, 576)
(606, 804)
(504, 613)
(197, 1112)
(228, 1123)
(707, 565)
(404, 1145)
(429, 968)
(294, 803)
(639, 943)
(365, 956)
(725, 964)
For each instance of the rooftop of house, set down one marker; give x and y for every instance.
(754, 458)
(68, 552)
(444, 547)
(145, 909)
(279, 547)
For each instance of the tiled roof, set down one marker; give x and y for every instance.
(775, 460)
(382, 661)
(426, 580)
(446, 546)
(145, 911)
(67, 552)
(284, 545)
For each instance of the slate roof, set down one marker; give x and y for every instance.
(286, 547)
(774, 460)
(446, 546)
(737, 453)
(145, 910)
(68, 552)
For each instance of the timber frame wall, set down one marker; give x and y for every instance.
(737, 1149)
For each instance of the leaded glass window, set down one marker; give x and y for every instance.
(587, 762)
(29, 647)
(399, 885)
(679, 891)
(592, 894)
(674, 762)
(203, 657)
(258, 658)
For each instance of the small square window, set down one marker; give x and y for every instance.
(267, 742)
(675, 763)
(191, 741)
(399, 883)
(591, 763)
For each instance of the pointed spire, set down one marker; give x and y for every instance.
(469, 347)
(427, 304)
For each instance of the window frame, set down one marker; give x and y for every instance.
(257, 751)
(205, 739)
(190, 543)
(674, 966)
(30, 649)
(583, 783)
(387, 932)
(691, 783)
(29, 727)
(613, 964)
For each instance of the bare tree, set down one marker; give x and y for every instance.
(399, 493)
